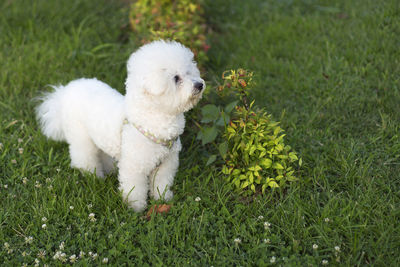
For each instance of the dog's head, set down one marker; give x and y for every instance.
(164, 74)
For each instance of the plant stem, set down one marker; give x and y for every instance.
(244, 100)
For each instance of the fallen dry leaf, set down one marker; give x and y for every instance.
(163, 208)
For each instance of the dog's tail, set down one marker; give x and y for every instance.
(49, 114)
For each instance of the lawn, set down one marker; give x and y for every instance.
(328, 70)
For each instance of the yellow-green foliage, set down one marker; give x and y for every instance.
(254, 151)
(257, 154)
(180, 20)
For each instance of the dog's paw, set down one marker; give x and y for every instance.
(166, 195)
(138, 205)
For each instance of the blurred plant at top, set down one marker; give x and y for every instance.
(182, 21)
(252, 146)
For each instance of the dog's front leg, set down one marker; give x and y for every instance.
(133, 174)
(162, 178)
(134, 187)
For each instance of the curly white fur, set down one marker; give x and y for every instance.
(163, 82)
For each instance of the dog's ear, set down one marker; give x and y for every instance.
(155, 85)
(152, 85)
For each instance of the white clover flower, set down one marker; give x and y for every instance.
(92, 217)
(58, 169)
(20, 140)
(10, 251)
(24, 180)
(260, 217)
(273, 259)
(50, 187)
(197, 199)
(62, 245)
(6, 186)
(37, 263)
(48, 180)
(24, 265)
(41, 254)
(72, 258)
(82, 254)
(6, 245)
(24, 254)
(266, 225)
(90, 206)
(337, 248)
(122, 223)
(38, 184)
(326, 220)
(44, 219)
(315, 247)
(325, 262)
(237, 241)
(105, 260)
(57, 255)
(44, 226)
(71, 207)
(29, 240)
(61, 256)
(267, 241)
(20, 150)
(94, 256)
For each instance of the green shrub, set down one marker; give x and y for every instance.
(182, 21)
(256, 152)
(253, 149)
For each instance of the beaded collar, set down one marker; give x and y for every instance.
(165, 142)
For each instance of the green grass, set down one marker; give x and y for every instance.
(328, 70)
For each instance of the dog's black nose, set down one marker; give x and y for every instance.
(198, 86)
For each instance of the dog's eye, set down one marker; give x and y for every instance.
(177, 78)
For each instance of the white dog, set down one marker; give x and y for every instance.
(139, 131)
